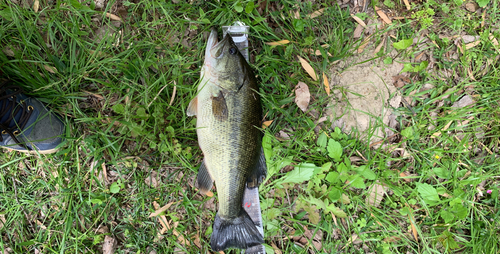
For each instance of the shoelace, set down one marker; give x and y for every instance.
(11, 108)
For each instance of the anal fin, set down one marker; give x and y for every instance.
(259, 173)
(192, 109)
(204, 181)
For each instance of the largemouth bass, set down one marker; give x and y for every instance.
(228, 114)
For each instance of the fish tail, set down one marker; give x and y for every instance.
(239, 232)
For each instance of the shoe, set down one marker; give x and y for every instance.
(26, 125)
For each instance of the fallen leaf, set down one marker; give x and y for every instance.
(375, 194)
(383, 16)
(266, 124)
(162, 209)
(302, 96)
(400, 81)
(364, 44)
(276, 249)
(109, 245)
(391, 239)
(360, 21)
(36, 5)
(113, 16)
(316, 52)
(278, 43)
(50, 69)
(493, 40)
(317, 13)
(152, 180)
(309, 69)
(327, 85)
(8, 51)
(463, 102)
(413, 227)
(408, 7)
(379, 47)
(437, 134)
(472, 44)
(358, 31)
(471, 6)
(2, 220)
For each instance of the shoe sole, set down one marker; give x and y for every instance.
(33, 151)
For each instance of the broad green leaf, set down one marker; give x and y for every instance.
(336, 211)
(441, 172)
(141, 112)
(408, 132)
(298, 25)
(447, 216)
(249, 7)
(408, 68)
(301, 173)
(334, 194)
(332, 177)
(114, 188)
(6, 14)
(322, 140)
(238, 7)
(482, 3)
(388, 60)
(119, 108)
(459, 210)
(403, 44)
(367, 173)
(334, 149)
(428, 193)
(357, 181)
(272, 213)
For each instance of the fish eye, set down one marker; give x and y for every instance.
(232, 51)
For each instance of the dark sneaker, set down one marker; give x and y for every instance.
(26, 125)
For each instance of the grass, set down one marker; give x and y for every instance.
(123, 89)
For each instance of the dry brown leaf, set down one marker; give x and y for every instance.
(50, 69)
(162, 209)
(308, 68)
(166, 226)
(109, 245)
(327, 85)
(152, 180)
(375, 194)
(36, 5)
(472, 44)
(302, 96)
(471, 6)
(317, 13)
(471, 75)
(400, 81)
(275, 248)
(8, 51)
(463, 102)
(360, 21)
(408, 7)
(413, 227)
(358, 31)
(2, 220)
(364, 44)
(351, 240)
(113, 16)
(493, 40)
(266, 124)
(391, 239)
(379, 47)
(316, 52)
(383, 16)
(278, 43)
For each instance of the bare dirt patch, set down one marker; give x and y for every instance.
(363, 96)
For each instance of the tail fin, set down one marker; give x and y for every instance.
(239, 232)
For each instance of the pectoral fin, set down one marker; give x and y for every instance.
(204, 181)
(259, 173)
(192, 109)
(219, 107)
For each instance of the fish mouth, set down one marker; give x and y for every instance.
(215, 48)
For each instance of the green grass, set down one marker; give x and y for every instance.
(124, 104)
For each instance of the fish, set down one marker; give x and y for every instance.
(228, 112)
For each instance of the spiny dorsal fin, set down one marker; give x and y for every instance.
(219, 107)
(192, 109)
